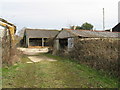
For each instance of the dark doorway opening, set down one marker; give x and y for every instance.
(35, 42)
(46, 42)
(63, 43)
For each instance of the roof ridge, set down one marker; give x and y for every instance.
(43, 29)
(90, 30)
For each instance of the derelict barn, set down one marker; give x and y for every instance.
(38, 37)
(65, 39)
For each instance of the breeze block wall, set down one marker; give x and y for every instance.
(99, 53)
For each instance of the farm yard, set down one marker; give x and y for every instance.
(66, 58)
(48, 71)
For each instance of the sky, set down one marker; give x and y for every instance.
(57, 14)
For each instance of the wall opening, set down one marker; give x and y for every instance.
(46, 40)
(35, 42)
(63, 43)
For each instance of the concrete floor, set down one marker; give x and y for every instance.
(33, 51)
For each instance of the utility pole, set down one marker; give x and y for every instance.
(103, 19)
(119, 12)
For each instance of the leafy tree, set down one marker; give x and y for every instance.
(87, 26)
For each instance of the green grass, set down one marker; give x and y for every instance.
(62, 73)
(24, 59)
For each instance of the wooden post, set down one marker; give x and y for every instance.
(28, 42)
(42, 42)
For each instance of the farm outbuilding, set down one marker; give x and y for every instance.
(38, 37)
(116, 28)
(65, 39)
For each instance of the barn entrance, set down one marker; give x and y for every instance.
(35, 42)
(38, 42)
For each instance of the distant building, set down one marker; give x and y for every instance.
(38, 37)
(117, 27)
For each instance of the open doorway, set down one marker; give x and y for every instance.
(35, 42)
(63, 43)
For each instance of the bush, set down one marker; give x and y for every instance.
(101, 54)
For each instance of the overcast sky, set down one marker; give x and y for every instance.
(57, 14)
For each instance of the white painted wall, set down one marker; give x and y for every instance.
(70, 43)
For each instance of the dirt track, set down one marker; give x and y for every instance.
(34, 51)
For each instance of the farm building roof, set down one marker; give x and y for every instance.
(86, 33)
(41, 33)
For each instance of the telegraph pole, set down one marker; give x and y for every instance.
(119, 12)
(103, 19)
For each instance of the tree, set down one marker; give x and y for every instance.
(87, 26)
(84, 26)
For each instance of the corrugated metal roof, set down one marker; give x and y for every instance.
(87, 33)
(65, 34)
(39, 33)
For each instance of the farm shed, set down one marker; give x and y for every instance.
(116, 28)
(65, 39)
(38, 37)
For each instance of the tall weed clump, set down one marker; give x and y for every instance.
(9, 51)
